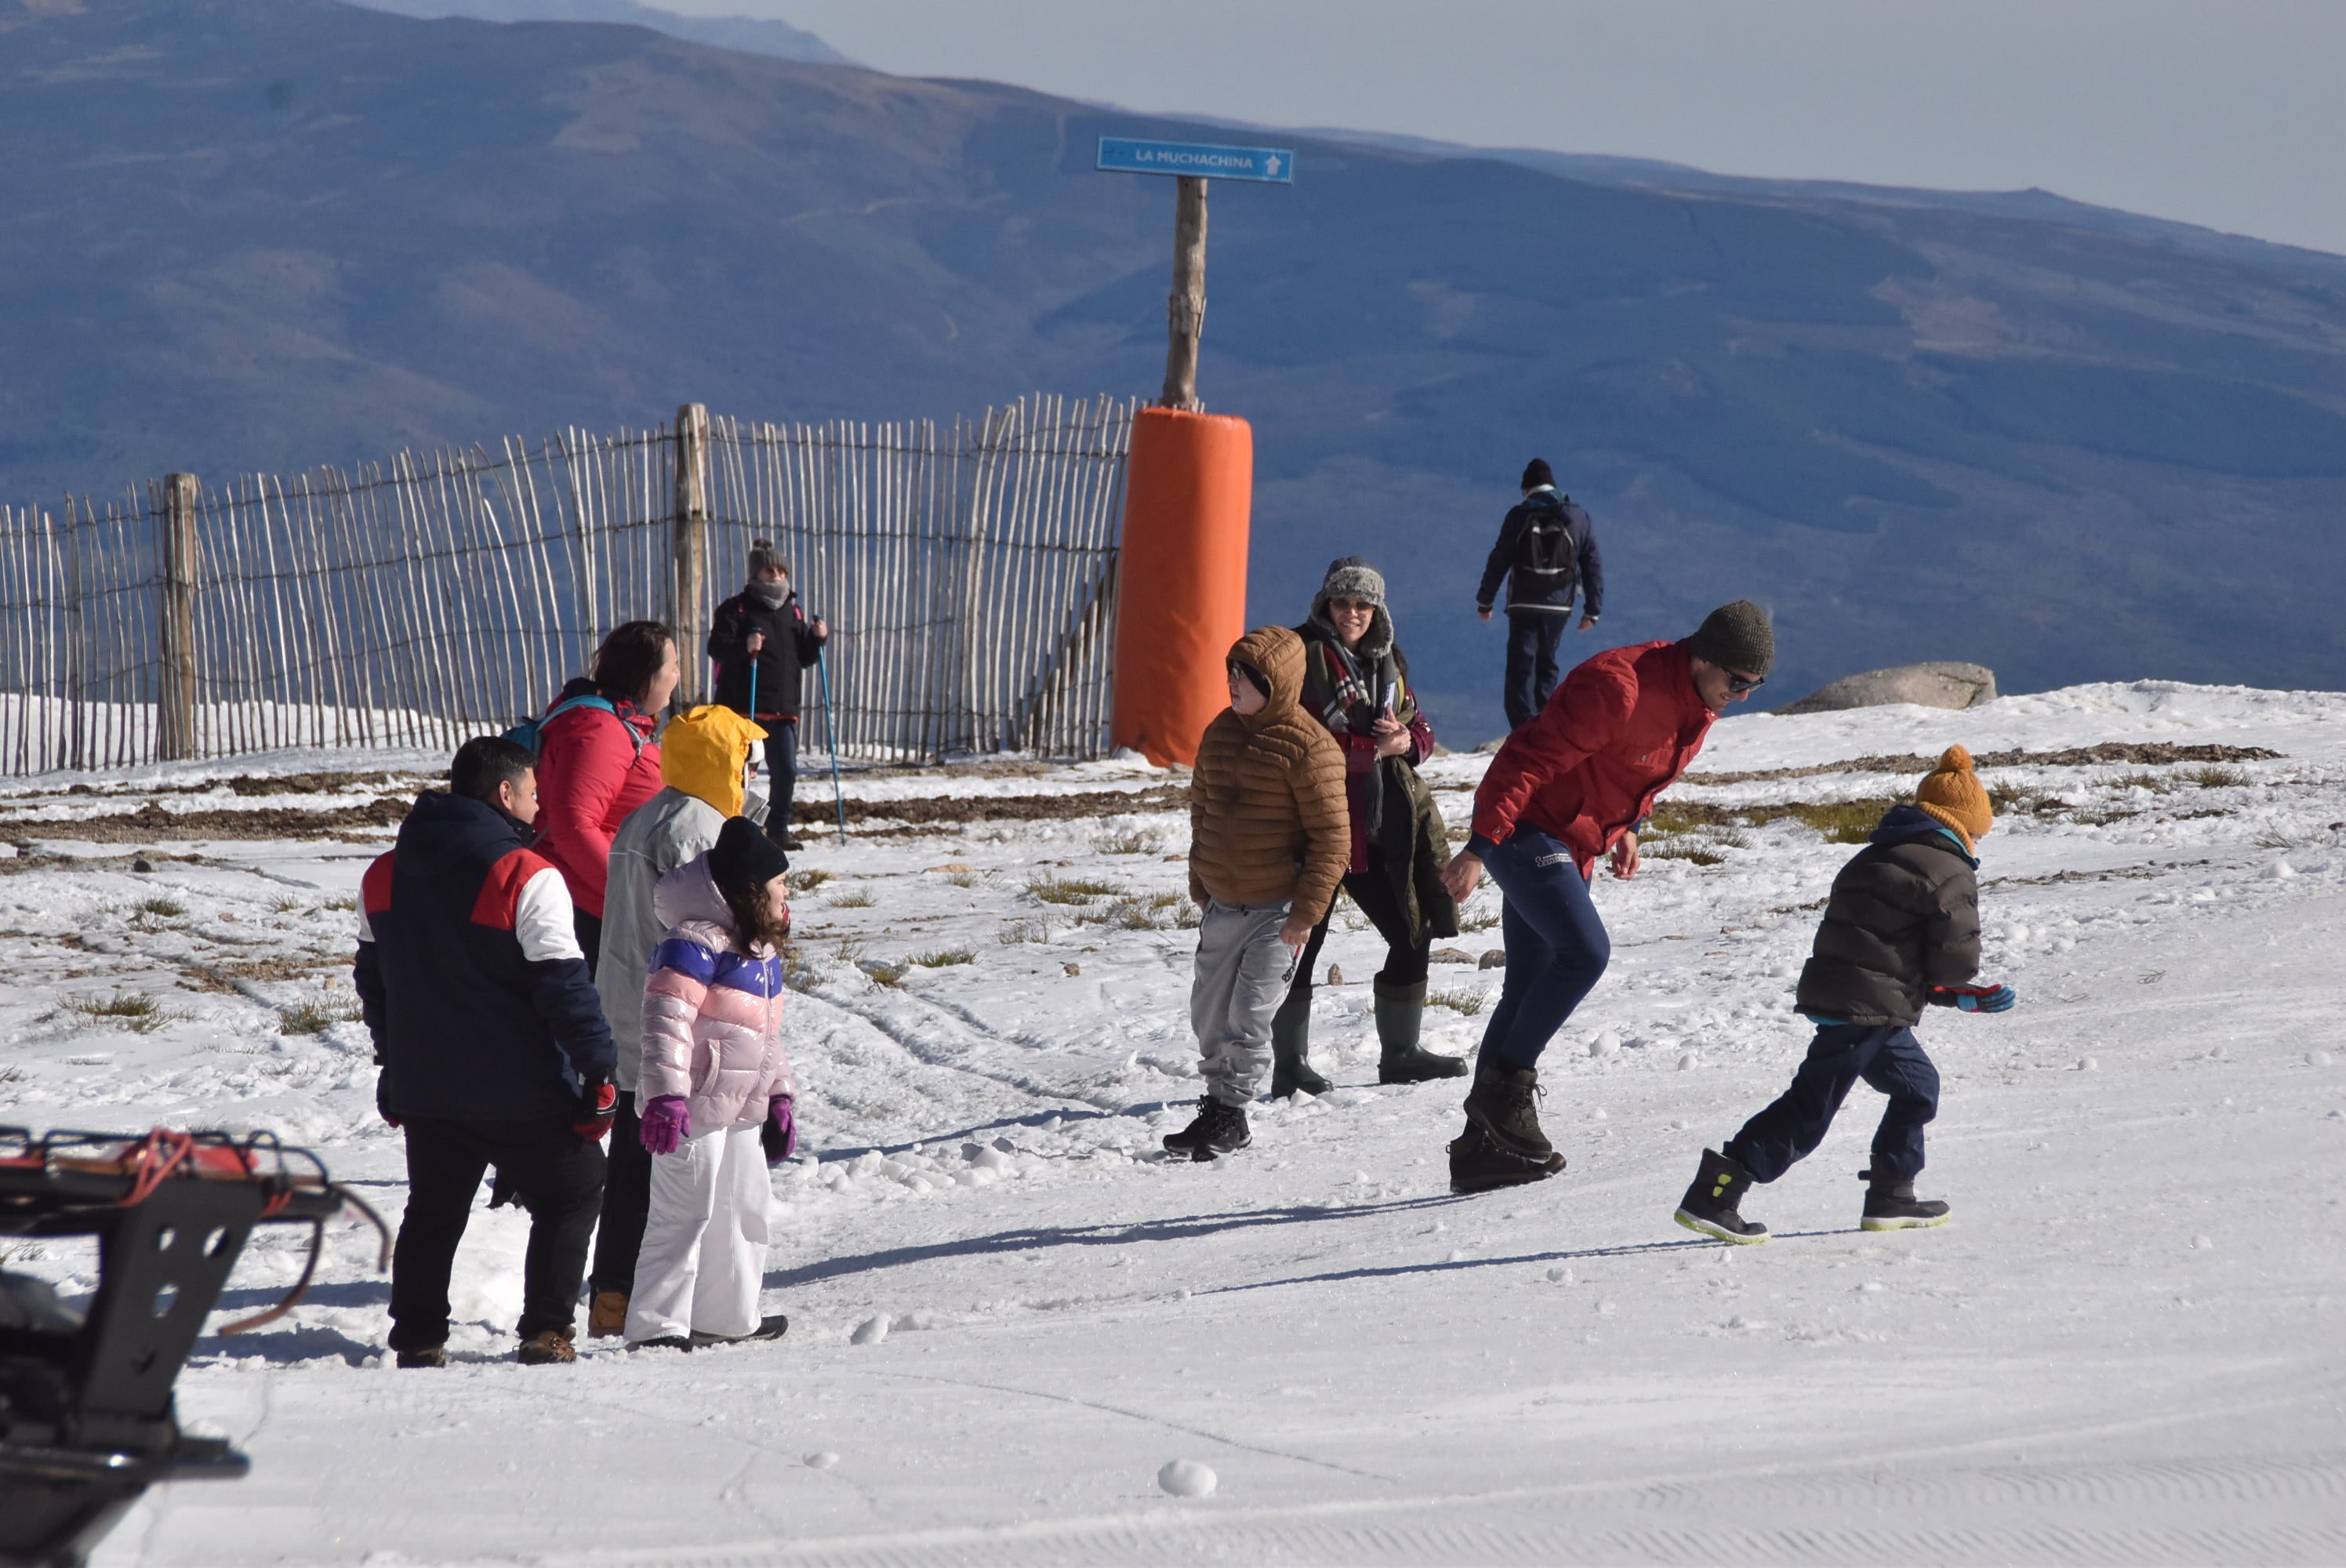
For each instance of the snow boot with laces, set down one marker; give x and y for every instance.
(1291, 1047)
(424, 1356)
(606, 1314)
(1891, 1204)
(1503, 1103)
(1219, 1129)
(1710, 1205)
(1401, 1012)
(1478, 1165)
(546, 1347)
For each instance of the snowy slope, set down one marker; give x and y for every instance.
(2123, 1349)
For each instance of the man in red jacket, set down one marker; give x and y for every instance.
(1565, 789)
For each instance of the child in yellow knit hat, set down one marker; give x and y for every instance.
(1900, 930)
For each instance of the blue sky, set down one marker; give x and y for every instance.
(2222, 115)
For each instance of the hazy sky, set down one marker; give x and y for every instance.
(2220, 114)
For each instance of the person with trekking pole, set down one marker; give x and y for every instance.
(1546, 552)
(761, 642)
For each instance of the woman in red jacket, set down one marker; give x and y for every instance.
(597, 762)
(1567, 787)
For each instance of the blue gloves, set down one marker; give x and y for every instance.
(1975, 998)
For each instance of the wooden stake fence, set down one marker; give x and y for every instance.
(968, 571)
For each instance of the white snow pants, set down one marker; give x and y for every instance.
(1243, 971)
(705, 1237)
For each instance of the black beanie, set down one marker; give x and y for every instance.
(1536, 473)
(1736, 636)
(744, 856)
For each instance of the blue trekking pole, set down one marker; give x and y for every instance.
(831, 738)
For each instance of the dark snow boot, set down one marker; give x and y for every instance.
(1891, 1204)
(773, 1327)
(1290, 1048)
(424, 1356)
(1503, 1103)
(548, 1347)
(1710, 1204)
(1478, 1165)
(1219, 1129)
(1401, 1012)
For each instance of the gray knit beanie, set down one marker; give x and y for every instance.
(1736, 636)
(764, 557)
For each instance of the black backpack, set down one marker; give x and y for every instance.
(1546, 550)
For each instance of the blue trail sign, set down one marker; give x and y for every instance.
(1125, 155)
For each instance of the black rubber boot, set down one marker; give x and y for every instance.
(1478, 1165)
(1710, 1205)
(1291, 1047)
(1891, 1204)
(1400, 1014)
(773, 1327)
(1503, 1103)
(1219, 1129)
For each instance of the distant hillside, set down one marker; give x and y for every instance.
(256, 234)
(751, 35)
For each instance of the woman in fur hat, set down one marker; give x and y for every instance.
(1356, 682)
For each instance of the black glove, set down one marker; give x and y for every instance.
(598, 1105)
(383, 1095)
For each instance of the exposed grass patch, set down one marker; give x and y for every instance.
(1147, 912)
(1688, 848)
(852, 899)
(1129, 844)
(1070, 890)
(1469, 1002)
(160, 908)
(965, 879)
(12, 1073)
(888, 974)
(943, 957)
(1024, 931)
(806, 881)
(131, 1010)
(349, 905)
(2215, 778)
(797, 973)
(286, 904)
(316, 1017)
(1481, 919)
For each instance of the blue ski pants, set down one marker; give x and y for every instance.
(1889, 1059)
(1556, 947)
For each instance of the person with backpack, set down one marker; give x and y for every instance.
(491, 1044)
(1356, 683)
(761, 642)
(718, 1101)
(597, 761)
(704, 754)
(1547, 552)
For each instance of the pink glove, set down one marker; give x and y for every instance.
(667, 1121)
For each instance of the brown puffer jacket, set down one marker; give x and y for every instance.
(1268, 820)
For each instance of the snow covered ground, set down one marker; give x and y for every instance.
(1007, 1315)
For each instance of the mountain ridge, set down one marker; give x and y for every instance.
(267, 234)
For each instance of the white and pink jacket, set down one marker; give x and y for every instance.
(712, 1013)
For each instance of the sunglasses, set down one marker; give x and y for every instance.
(1739, 684)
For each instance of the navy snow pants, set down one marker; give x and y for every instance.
(1889, 1059)
(1532, 673)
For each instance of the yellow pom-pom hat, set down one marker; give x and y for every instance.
(1953, 794)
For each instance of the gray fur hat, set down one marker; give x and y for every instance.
(1351, 577)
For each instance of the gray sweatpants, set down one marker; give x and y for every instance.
(1243, 970)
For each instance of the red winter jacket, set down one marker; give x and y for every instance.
(590, 776)
(1622, 727)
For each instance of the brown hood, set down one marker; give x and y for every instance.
(1279, 654)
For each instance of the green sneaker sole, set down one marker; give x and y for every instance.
(1695, 1222)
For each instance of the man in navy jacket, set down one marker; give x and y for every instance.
(1547, 552)
(492, 1043)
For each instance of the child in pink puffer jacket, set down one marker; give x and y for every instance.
(714, 1076)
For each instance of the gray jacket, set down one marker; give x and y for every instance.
(658, 836)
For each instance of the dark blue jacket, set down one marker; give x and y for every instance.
(1539, 596)
(472, 984)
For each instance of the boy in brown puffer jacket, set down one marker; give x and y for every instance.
(1269, 836)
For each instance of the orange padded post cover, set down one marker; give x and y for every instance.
(1181, 580)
